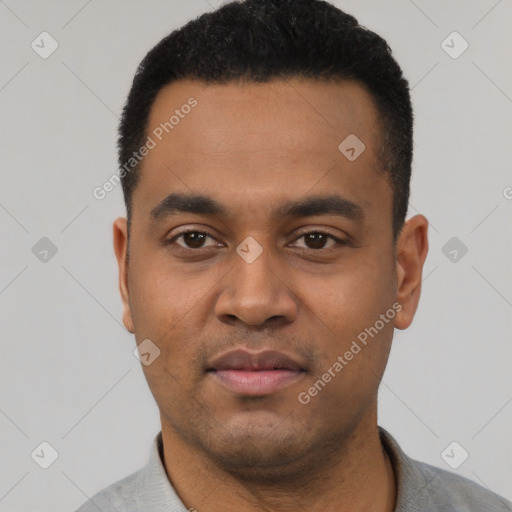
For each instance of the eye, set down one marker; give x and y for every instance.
(192, 239)
(316, 240)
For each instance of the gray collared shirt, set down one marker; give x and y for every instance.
(421, 488)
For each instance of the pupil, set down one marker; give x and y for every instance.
(317, 238)
(194, 239)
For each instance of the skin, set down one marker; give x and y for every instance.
(252, 147)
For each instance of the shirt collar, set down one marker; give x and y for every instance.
(411, 485)
(157, 490)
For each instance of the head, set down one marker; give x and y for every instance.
(267, 211)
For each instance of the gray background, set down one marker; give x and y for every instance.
(68, 375)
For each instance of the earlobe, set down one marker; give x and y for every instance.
(411, 252)
(120, 238)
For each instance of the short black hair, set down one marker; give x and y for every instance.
(261, 40)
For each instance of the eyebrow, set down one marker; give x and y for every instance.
(204, 205)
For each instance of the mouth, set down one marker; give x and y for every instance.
(255, 374)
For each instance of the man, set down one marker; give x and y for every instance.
(265, 154)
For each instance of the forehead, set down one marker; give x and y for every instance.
(242, 116)
(259, 139)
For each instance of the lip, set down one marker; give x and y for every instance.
(243, 359)
(255, 373)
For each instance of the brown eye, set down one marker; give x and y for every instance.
(313, 240)
(317, 240)
(191, 239)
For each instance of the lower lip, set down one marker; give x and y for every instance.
(257, 383)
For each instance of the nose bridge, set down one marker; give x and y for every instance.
(254, 291)
(256, 275)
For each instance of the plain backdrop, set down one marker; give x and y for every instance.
(68, 376)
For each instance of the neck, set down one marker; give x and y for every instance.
(357, 477)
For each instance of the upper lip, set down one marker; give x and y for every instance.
(242, 359)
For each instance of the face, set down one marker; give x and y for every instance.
(289, 248)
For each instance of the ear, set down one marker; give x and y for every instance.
(120, 232)
(411, 251)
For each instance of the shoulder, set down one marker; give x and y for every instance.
(116, 497)
(145, 490)
(423, 487)
(449, 491)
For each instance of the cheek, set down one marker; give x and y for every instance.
(347, 308)
(352, 298)
(161, 296)
(171, 306)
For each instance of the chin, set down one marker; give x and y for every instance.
(255, 443)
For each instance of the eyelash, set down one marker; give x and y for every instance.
(319, 232)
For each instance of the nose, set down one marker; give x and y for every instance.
(257, 294)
